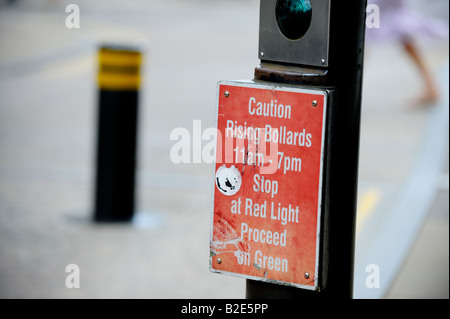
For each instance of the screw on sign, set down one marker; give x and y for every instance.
(267, 199)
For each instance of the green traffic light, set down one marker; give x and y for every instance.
(293, 17)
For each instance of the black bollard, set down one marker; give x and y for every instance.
(118, 84)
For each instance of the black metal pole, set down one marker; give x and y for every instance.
(118, 81)
(346, 52)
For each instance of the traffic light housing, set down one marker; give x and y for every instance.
(295, 32)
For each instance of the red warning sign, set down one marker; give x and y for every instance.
(268, 182)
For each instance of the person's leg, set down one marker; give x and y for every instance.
(431, 93)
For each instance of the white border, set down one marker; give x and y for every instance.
(285, 88)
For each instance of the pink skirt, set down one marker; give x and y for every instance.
(399, 22)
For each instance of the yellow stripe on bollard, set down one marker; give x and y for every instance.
(119, 69)
(111, 81)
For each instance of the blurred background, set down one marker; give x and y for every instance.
(48, 118)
